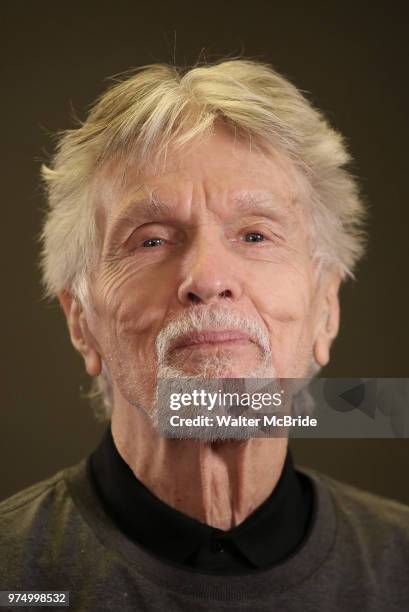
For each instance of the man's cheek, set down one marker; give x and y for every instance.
(136, 309)
(280, 301)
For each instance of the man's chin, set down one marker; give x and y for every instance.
(223, 367)
(204, 372)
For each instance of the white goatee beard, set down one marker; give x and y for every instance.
(219, 366)
(222, 365)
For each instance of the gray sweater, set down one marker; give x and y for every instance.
(56, 535)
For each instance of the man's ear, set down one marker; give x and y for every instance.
(328, 318)
(81, 337)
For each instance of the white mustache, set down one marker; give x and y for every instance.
(197, 320)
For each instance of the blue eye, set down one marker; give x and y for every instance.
(152, 242)
(254, 237)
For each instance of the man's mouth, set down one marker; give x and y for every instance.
(211, 338)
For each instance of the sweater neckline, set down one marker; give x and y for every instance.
(272, 532)
(245, 587)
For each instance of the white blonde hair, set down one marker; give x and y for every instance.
(160, 104)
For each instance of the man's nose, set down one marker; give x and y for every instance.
(209, 274)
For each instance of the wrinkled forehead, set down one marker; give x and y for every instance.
(216, 169)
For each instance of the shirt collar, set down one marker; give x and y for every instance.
(272, 532)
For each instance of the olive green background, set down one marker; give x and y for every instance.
(55, 57)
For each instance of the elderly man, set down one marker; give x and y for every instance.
(200, 223)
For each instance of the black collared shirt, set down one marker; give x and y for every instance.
(273, 532)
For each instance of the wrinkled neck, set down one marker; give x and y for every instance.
(217, 483)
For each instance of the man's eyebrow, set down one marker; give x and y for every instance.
(269, 204)
(142, 210)
(149, 207)
(273, 206)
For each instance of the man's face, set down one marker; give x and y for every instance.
(222, 249)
